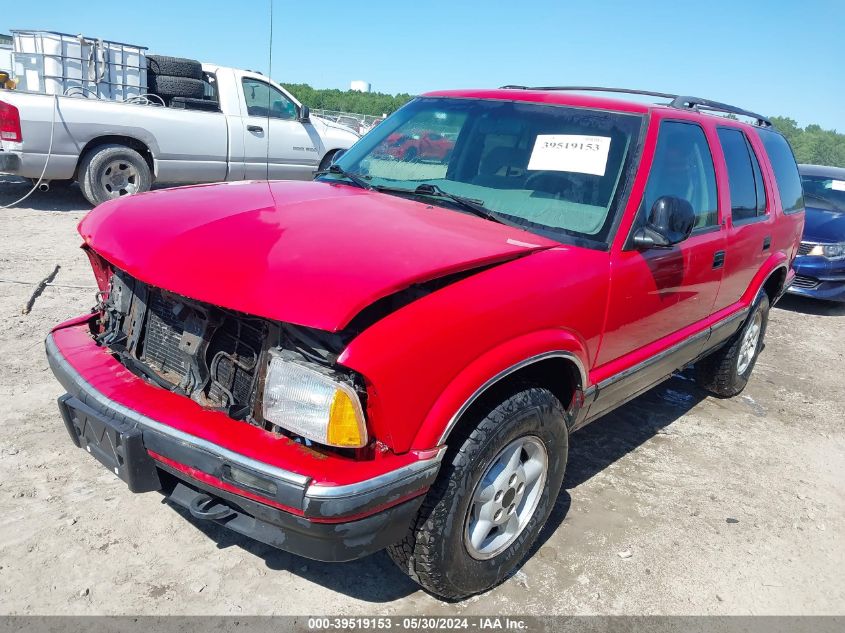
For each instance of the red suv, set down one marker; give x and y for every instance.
(413, 147)
(396, 358)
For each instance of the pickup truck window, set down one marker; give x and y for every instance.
(209, 87)
(786, 170)
(683, 167)
(264, 100)
(554, 170)
(748, 196)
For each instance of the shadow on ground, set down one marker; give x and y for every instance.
(376, 579)
(372, 579)
(805, 305)
(611, 437)
(61, 197)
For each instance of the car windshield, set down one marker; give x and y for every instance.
(551, 169)
(830, 191)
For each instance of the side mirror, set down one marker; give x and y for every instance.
(670, 222)
(305, 114)
(337, 155)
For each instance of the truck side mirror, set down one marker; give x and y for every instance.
(304, 114)
(670, 222)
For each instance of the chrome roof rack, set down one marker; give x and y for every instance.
(677, 101)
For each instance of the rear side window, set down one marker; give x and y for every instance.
(748, 195)
(786, 171)
(683, 167)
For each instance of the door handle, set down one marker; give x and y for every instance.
(254, 128)
(718, 259)
(767, 242)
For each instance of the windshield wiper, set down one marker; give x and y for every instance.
(476, 207)
(337, 170)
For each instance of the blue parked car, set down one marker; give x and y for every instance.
(820, 265)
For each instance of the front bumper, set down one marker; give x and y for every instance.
(819, 278)
(291, 509)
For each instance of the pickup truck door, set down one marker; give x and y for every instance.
(657, 293)
(272, 119)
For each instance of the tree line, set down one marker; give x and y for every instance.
(372, 103)
(811, 144)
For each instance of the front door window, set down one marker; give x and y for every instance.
(264, 100)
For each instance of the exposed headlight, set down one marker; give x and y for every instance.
(313, 405)
(830, 251)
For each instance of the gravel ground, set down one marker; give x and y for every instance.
(677, 503)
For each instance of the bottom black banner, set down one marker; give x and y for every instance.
(280, 624)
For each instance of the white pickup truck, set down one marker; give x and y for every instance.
(252, 129)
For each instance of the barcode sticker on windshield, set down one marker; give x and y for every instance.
(837, 185)
(570, 152)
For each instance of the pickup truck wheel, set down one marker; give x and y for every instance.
(494, 493)
(726, 371)
(112, 171)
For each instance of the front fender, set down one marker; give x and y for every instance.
(488, 369)
(423, 361)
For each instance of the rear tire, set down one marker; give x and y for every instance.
(167, 87)
(112, 171)
(174, 66)
(440, 550)
(725, 372)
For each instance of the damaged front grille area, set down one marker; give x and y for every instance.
(207, 353)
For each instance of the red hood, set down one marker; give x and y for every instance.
(309, 253)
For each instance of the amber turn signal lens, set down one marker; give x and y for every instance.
(345, 427)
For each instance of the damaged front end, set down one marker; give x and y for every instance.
(215, 356)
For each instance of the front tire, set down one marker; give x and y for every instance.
(112, 171)
(725, 372)
(493, 495)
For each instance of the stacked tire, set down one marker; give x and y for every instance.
(170, 77)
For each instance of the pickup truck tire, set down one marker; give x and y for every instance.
(167, 86)
(174, 66)
(111, 171)
(725, 372)
(440, 551)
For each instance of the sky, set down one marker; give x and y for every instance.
(777, 57)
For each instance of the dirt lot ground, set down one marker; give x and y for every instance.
(725, 506)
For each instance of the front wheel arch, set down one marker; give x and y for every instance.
(326, 161)
(558, 372)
